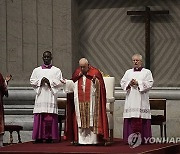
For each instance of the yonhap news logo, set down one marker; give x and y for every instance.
(134, 140)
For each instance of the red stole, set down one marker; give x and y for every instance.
(84, 96)
(84, 102)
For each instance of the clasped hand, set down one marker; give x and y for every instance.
(44, 81)
(133, 83)
(93, 79)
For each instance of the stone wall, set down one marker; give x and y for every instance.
(99, 30)
(30, 27)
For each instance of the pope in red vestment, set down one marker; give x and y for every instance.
(86, 78)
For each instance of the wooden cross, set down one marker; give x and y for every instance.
(147, 17)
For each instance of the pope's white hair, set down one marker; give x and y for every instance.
(83, 60)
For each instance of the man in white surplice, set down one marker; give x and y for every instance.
(137, 116)
(46, 81)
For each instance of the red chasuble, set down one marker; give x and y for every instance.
(3, 92)
(71, 130)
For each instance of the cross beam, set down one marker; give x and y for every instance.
(147, 17)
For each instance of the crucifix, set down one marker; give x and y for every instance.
(147, 17)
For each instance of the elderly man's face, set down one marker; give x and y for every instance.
(84, 67)
(137, 62)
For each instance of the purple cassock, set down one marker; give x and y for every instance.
(137, 125)
(45, 126)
